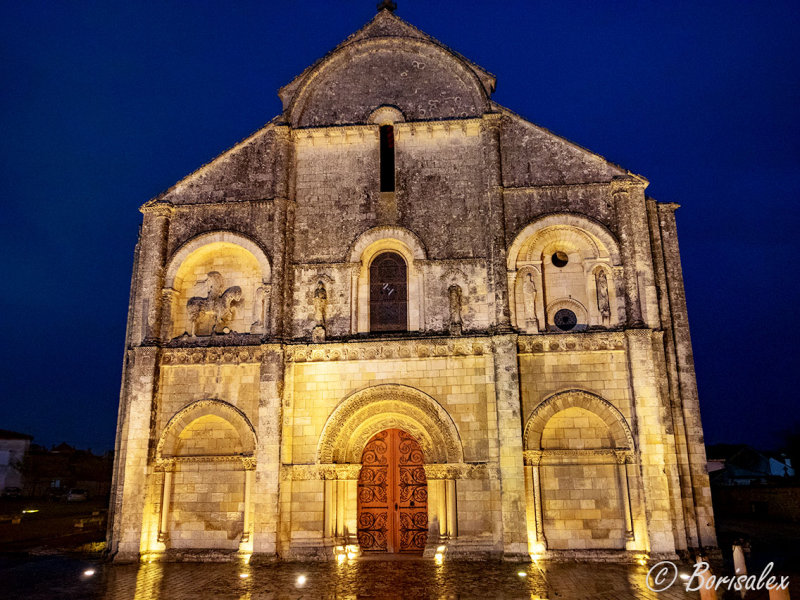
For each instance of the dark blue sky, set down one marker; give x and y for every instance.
(106, 104)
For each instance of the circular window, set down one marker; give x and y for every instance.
(565, 319)
(560, 259)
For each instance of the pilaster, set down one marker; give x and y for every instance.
(509, 432)
(634, 236)
(496, 237)
(686, 379)
(267, 477)
(651, 440)
(135, 434)
(150, 279)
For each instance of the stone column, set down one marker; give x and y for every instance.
(496, 226)
(152, 260)
(625, 198)
(331, 499)
(625, 493)
(283, 232)
(166, 497)
(350, 508)
(267, 468)
(249, 466)
(683, 372)
(451, 508)
(536, 542)
(167, 298)
(509, 430)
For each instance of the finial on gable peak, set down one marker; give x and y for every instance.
(387, 5)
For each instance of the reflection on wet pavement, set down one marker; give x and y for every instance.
(39, 578)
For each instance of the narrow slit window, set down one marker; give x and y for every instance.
(387, 158)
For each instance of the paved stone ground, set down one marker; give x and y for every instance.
(56, 577)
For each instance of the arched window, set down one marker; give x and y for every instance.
(388, 293)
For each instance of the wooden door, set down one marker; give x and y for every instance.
(392, 495)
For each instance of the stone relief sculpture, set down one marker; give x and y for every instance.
(218, 306)
(454, 293)
(261, 309)
(320, 308)
(602, 297)
(529, 302)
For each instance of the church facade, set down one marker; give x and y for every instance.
(400, 318)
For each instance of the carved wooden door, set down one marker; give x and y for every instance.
(392, 495)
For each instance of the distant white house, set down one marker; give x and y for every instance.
(743, 465)
(13, 447)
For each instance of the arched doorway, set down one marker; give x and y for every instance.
(392, 495)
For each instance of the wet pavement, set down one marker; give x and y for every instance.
(55, 577)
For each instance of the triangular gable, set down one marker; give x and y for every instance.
(533, 156)
(243, 172)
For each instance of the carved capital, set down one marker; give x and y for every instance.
(159, 209)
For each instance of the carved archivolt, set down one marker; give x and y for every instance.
(386, 115)
(363, 414)
(617, 425)
(557, 226)
(199, 241)
(167, 443)
(386, 237)
(366, 248)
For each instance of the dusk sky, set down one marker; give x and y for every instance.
(106, 104)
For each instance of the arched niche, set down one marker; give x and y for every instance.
(364, 250)
(577, 441)
(206, 454)
(218, 279)
(562, 253)
(367, 412)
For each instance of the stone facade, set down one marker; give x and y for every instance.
(543, 363)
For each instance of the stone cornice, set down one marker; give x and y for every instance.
(384, 349)
(388, 349)
(618, 456)
(223, 202)
(248, 461)
(337, 133)
(159, 209)
(624, 184)
(350, 471)
(571, 342)
(556, 186)
(216, 354)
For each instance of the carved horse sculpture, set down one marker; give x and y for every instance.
(218, 304)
